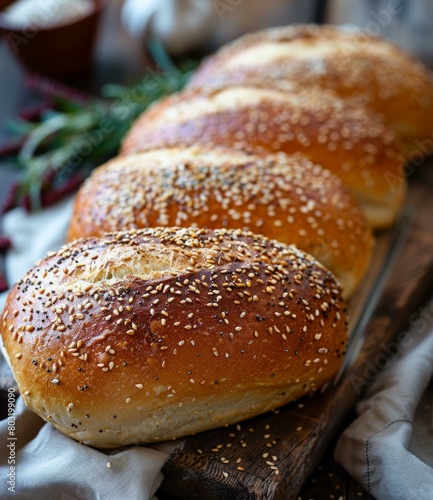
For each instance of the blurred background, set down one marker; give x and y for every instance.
(86, 44)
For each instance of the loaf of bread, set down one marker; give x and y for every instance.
(350, 141)
(154, 334)
(285, 198)
(345, 61)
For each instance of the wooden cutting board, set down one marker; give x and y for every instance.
(270, 456)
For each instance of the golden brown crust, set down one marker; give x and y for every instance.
(285, 198)
(348, 140)
(345, 61)
(158, 333)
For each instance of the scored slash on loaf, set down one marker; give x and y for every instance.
(284, 198)
(155, 334)
(347, 139)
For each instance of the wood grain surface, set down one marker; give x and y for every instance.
(271, 456)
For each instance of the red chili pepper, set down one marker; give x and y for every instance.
(49, 197)
(34, 113)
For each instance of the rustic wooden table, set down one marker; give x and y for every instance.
(118, 60)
